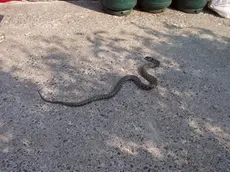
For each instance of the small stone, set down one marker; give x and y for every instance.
(2, 38)
(145, 167)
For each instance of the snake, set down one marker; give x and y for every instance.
(143, 71)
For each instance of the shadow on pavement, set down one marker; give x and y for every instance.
(94, 5)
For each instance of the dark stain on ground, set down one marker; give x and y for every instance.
(1, 17)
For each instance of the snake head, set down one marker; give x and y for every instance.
(152, 60)
(148, 58)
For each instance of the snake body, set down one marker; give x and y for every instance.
(143, 72)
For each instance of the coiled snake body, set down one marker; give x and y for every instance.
(143, 72)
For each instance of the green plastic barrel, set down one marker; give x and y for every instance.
(154, 6)
(118, 7)
(190, 6)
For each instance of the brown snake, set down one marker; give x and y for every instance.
(153, 63)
